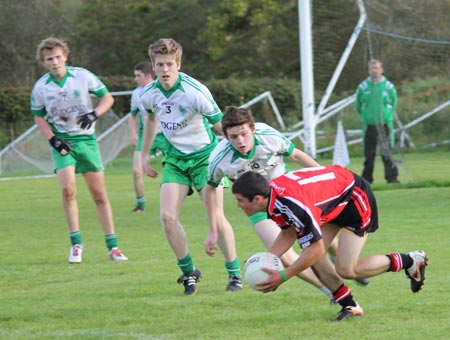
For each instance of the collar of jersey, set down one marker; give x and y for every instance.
(237, 154)
(168, 93)
(383, 78)
(271, 203)
(63, 80)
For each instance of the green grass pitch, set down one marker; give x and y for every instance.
(43, 297)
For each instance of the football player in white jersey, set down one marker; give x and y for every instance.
(143, 75)
(185, 110)
(251, 146)
(63, 111)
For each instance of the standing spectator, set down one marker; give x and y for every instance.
(63, 111)
(185, 109)
(376, 102)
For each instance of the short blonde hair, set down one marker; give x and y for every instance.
(165, 47)
(50, 44)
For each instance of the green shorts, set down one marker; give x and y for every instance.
(85, 156)
(190, 172)
(160, 143)
(225, 182)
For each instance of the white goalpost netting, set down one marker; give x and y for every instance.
(416, 57)
(29, 154)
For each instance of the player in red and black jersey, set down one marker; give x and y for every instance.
(311, 206)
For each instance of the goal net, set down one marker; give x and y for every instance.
(411, 38)
(29, 154)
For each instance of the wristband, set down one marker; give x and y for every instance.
(283, 275)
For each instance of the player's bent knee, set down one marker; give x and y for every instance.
(346, 273)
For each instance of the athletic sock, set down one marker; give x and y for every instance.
(111, 241)
(326, 291)
(75, 237)
(233, 267)
(186, 264)
(343, 296)
(140, 201)
(399, 262)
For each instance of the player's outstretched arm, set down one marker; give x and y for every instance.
(303, 159)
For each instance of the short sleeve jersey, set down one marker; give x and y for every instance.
(308, 198)
(266, 156)
(136, 107)
(63, 102)
(185, 113)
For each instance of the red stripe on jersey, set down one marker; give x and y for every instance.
(324, 190)
(361, 202)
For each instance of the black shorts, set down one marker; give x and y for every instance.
(361, 213)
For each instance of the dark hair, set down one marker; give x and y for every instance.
(145, 67)
(235, 116)
(251, 184)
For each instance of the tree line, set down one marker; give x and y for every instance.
(226, 43)
(221, 39)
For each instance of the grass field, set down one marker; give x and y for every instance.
(43, 297)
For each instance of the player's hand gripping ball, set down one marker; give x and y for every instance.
(253, 272)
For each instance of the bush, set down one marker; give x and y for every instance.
(15, 116)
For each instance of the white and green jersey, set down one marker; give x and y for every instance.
(63, 102)
(136, 107)
(266, 157)
(185, 113)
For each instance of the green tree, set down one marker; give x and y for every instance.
(111, 36)
(23, 25)
(260, 34)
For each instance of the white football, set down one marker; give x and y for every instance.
(253, 272)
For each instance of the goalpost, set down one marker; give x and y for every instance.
(407, 55)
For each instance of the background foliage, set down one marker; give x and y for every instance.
(235, 47)
(247, 38)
